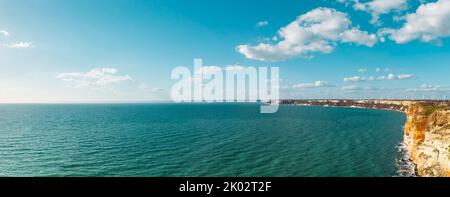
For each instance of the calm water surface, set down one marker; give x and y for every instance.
(197, 140)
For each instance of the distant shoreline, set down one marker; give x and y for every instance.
(347, 107)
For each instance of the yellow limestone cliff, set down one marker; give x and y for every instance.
(427, 134)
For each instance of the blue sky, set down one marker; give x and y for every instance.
(124, 50)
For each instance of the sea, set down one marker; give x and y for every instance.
(200, 140)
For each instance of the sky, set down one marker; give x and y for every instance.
(125, 50)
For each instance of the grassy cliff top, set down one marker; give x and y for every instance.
(428, 108)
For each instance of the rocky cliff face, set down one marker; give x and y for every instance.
(427, 134)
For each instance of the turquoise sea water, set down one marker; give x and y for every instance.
(197, 140)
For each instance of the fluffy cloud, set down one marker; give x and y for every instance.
(359, 37)
(262, 23)
(4, 33)
(20, 45)
(316, 84)
(319, 30)
(429, 23)
(97, 77)
(379, 7)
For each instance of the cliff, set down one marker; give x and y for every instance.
(427, 134)
(427, 129)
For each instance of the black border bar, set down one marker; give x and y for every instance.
(150, 186)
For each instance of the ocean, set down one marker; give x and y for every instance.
(198, 140)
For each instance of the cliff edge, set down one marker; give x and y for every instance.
(427, 134)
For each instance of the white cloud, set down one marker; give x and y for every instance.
(346, 2)
(20, 45)
(354, 79)
(406, 76)
(4, 33)
(376, 8)
(391, 76)
(429, 23)
(429, 88)
(379, 7)
(319, 30)
(355, 88)
(145, 87)
(358, 79)
(362, 70)
(316, 84)
(262, 23)
(351, 88)
(97, 77)
(426, 87)
(359, 37)
(385, 70)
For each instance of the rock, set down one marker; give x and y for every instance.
(428, 137)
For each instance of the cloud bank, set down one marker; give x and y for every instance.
(390, 76)
(376, 8)
(97, 77)
(318, 31)
(316, 84)
(429, 23)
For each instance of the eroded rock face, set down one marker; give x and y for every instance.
(427, 133)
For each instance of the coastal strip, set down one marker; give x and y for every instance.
(426, 131)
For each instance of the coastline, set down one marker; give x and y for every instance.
(405, 166)
(350, 107)
(426, 132)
